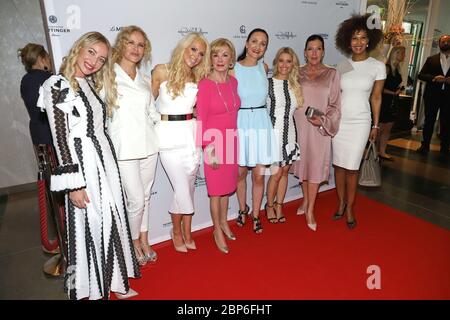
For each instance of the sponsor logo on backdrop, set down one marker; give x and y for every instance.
(314, 3)
(242, 33)
(115, 28)
(200, 182)
(55, 30)
(53, 19)
(342, 4)
(185, 30)
(285, 35)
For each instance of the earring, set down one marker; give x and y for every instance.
(231, 65)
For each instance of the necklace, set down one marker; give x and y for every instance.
(223, 100)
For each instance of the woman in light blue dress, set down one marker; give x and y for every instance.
(257, 142)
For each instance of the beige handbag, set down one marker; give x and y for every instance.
(370, 171)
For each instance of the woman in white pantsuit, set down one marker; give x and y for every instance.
(362, 81)
(175, 87)
(132, 133)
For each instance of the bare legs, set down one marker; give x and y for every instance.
(346, 185)
(257, 192)
(277, 185)
(182, 235)
(219, 212)
(309, 190)
(385, 131)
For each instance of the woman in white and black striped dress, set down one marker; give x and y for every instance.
(283, 99)
(100, 255)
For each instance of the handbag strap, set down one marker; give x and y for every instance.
(372, 148)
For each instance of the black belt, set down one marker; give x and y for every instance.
(177, 117)
(253, 108)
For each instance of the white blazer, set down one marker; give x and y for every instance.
(131, 127)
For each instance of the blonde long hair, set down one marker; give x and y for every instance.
(394, 66)
(178, 74)
(294, 75)
(122, 40)
(102, 79)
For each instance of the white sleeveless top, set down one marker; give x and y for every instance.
(176, 134)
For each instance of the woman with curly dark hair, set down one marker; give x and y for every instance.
(362, 81)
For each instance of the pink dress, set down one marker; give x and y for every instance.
(322, 93)
(217, 108)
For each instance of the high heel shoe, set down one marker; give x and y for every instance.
(338, 216)
(351, 224)
(140, 257)
(181, 248)
(131, 293)
(281, 218)
(240, 221)
(273, 219)
(223, 249)
(300, 211)
(151, 256)
(191, 245)
(230, 235)
(312, 226)
(257, 227)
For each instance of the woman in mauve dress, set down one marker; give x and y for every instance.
(321, 90)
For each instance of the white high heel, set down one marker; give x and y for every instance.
(300, 211)
(312, 226)
(131, 293)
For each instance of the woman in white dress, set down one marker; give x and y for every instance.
(362, 81)
(132, 133)
(174, 85)
(100, 255)
(285, 96)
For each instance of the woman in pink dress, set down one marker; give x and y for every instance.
(217, 106)
(321, 90)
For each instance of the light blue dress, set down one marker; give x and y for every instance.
(257, 140)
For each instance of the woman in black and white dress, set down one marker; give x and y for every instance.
(100, 251)
(284, 98)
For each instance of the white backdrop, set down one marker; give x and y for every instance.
(288, 23)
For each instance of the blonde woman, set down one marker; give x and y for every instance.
(217, 108)
(174, 85)
(284, 98)
(389, 103)
(321, 91)
(131, 128)
(100, 251)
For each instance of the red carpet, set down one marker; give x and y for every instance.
(288, 261)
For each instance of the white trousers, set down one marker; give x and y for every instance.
(181, 166)
(137, 180)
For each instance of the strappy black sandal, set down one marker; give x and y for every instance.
(257, 227)
(282, 218)
(240, 221)
(273, 219)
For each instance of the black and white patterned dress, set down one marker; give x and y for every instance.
(281, 103)
(100, 251)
